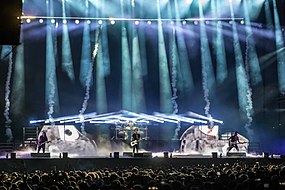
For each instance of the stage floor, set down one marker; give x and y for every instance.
(153, 160)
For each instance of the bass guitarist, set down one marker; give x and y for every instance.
(233, 142)
(42, 140)
(136, 137)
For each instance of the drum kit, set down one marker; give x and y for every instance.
(123, 131)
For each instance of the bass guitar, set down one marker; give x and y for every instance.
(40, 144)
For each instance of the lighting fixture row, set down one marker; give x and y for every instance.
(136, 22)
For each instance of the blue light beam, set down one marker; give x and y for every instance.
(207, 67)
(126, 67)
(67, 64)
(251, 58)
(186, 82)
(101, 99)
(51, 81)
(279, 45)
(219, 47)
(244, 91)
(164, 80)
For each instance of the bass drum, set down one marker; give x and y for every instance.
(122, 135)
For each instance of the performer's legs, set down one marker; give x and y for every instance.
(229, 148)
(136, 148)
(236, 146)
(39, 148)
(44, 148)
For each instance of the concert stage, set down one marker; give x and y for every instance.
(89, 163)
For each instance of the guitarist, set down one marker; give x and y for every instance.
(136, 137)
(233, 142)
(42, 140)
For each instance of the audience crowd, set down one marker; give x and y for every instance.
(238, 176)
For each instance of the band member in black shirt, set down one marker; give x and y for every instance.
(42, 140)
(233, 142)
(136, 137)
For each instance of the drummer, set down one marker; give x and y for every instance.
(130, 125)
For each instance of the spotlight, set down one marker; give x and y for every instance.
(88, 21)
(137, 22)
(230, 22)
(184, 22)
(52, 21)
(100, 22)
(219, 22)
(41, 21)
(64, 21)
(113, 22)
(188, 1)
(207, 22)
(76, 21)
(149, 22)
(242, 22)
(28, 20)
(171, 22)
(195, 22)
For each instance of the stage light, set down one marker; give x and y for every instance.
(100, 22)
(101, 99)
(259, 2)
(172, 22)
(88, 21)
(220, 51)
(28, 20)
(67, 64)
(164, 80)
(196, 22)
(252, 61)
(243, 85)
(76, 21)
(279, 41)
(137, 22)
(208, 79)
(18, 86)
(51, 79)
(188, 1)
(207, 22)
(203, 2)
(163, 3)
(183, 58)
(231, 22)
(138, 99)
(149, 22)
(41, 21)
(113, 22)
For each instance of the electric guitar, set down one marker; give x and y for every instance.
(40, 144)
(133, 143)
(235, 143)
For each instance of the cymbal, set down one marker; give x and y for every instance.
(127, 128)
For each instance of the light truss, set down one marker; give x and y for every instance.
(124, 116)
(133, 19)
